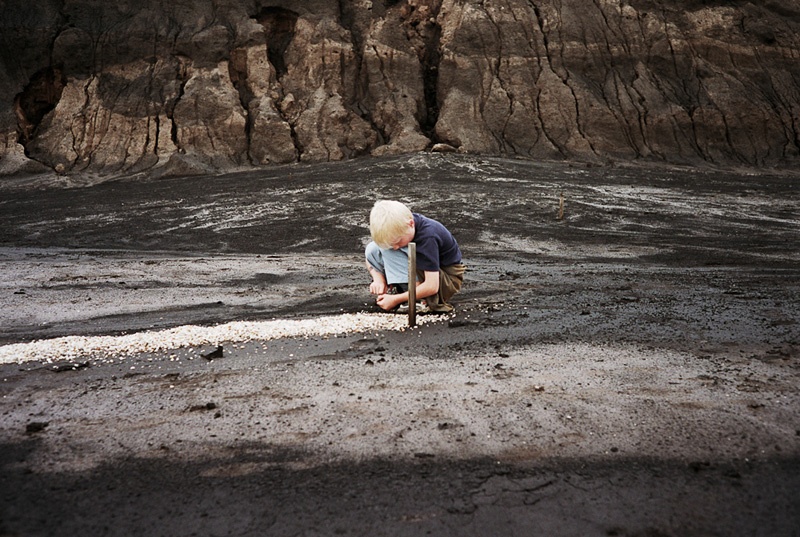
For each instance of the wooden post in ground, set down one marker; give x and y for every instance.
(412, 284)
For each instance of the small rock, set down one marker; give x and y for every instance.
(69, 366)
(216, 353)
(698, 466)
(208, 406)
(456, 323)
(36, 427)
(462, 507)
(443, 148)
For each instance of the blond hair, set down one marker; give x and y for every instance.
(388, 221)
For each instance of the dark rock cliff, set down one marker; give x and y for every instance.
(193, 86)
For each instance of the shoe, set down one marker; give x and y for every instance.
(421, 308)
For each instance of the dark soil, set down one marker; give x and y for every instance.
(627, 368)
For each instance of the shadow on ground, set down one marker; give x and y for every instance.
(257, 489)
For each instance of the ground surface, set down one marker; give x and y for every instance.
(629, 369)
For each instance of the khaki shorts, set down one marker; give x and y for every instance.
(451, 278)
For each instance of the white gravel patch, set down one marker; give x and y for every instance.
(76, 347)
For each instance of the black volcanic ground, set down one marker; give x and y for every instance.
(628, 369)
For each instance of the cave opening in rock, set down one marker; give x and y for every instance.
(280, 26)
(40, 96)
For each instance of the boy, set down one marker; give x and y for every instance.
(439, 269)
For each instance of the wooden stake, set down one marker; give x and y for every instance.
(412, 284)
(561, 207)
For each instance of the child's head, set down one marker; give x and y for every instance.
(389, 221)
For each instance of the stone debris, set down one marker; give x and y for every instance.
(216, 353)
(71, 348)
(69, 366)
(204, 407)
(36, 427)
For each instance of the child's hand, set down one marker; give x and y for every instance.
(390, 302)
(378, 287)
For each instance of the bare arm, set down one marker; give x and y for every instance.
(430, 286)
(378, 285)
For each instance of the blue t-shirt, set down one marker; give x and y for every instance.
(436, 246)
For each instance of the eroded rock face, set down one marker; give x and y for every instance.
(193, 86)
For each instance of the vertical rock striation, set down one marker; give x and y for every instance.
(194, 86)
